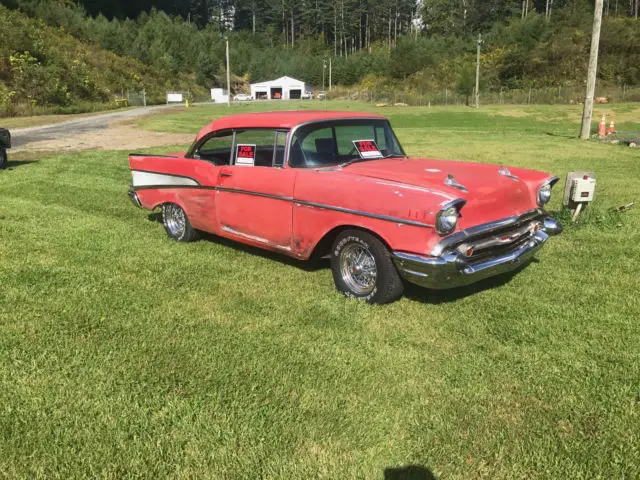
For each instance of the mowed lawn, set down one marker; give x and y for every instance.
(125, 354)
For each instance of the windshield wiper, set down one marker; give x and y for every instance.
(360, 159)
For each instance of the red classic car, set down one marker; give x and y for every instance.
(318, 183)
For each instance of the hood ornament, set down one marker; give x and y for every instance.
(504, 171)
(451, 181)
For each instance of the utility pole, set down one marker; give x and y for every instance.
(478, 72)
(591, 75)
(329, 74)
(324, 67)
(228, 75)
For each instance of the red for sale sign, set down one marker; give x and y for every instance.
(367, 149)
(246, 154)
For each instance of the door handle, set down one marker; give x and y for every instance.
(225, 173)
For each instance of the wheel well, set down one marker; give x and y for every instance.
(323, 247)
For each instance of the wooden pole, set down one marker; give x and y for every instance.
(478, 72)
(228, 76)
(587, 113)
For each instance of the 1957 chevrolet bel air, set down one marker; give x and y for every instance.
(318, 183)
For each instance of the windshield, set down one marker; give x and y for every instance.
(337, 142)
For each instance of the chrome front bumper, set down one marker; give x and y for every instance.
(452, 269)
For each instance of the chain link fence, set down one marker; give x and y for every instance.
(503, 96)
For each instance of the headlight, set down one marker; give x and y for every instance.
(447, 218)
(544, 192)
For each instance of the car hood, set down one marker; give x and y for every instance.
(489, 195)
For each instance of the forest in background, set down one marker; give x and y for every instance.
(61, 52)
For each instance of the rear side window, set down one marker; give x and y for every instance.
(259, 147)
(216, 149)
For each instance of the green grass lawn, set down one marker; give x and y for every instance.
(125, 354)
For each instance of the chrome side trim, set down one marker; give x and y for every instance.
(484, 229)
(254, 238)
(305, 203)
(363, 214)
(254, 194)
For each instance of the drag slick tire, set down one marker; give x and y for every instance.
(363, 269)
(177, 224)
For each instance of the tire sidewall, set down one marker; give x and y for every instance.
(4, 161)
(338, 247)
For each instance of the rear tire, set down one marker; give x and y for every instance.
(363, 269)
(4, 161)
(177, 224)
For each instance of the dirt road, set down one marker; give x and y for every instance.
(108, 131)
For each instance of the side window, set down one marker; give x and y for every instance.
(254, 147)
(216, 149)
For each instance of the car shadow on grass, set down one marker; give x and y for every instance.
(311, 265)
(424, 295)
(19, 163)
(409, 472)
(411, 291)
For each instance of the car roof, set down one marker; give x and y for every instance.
(283, 119)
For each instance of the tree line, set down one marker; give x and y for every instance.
(375, 44)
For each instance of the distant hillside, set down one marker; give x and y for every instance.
(43, 67)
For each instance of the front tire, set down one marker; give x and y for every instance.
(4, 161)
(363, 269)
(177, 224)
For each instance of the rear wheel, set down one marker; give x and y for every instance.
(177, 224)
(3, 158)
(363, 269)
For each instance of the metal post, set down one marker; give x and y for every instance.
(329, 74)
(228, 76)
(591, 75)
(478, 72)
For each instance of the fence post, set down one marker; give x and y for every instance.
(529, 100)
(500, 95)
(446, 96)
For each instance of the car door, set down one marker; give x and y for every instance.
(255, 193)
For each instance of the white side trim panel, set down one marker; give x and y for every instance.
(147, 179)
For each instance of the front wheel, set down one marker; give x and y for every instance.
(363, 269)
(177, 224)
(3, 158)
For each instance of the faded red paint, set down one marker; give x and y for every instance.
(408, 189)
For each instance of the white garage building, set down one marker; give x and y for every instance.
(283, 88)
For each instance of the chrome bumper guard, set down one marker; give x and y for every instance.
(453, 269)
(133, 196)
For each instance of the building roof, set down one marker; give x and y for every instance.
(283, 119)
(279, 81)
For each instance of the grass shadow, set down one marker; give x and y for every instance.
(19, 163)
(409, 472)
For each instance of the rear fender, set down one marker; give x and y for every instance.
(189, 183)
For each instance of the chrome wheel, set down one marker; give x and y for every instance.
(358, 268)
(174, 220)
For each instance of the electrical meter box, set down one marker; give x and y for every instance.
(580, 187)
(583, 189)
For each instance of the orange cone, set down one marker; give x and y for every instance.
(602, 130)
(612, 128)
